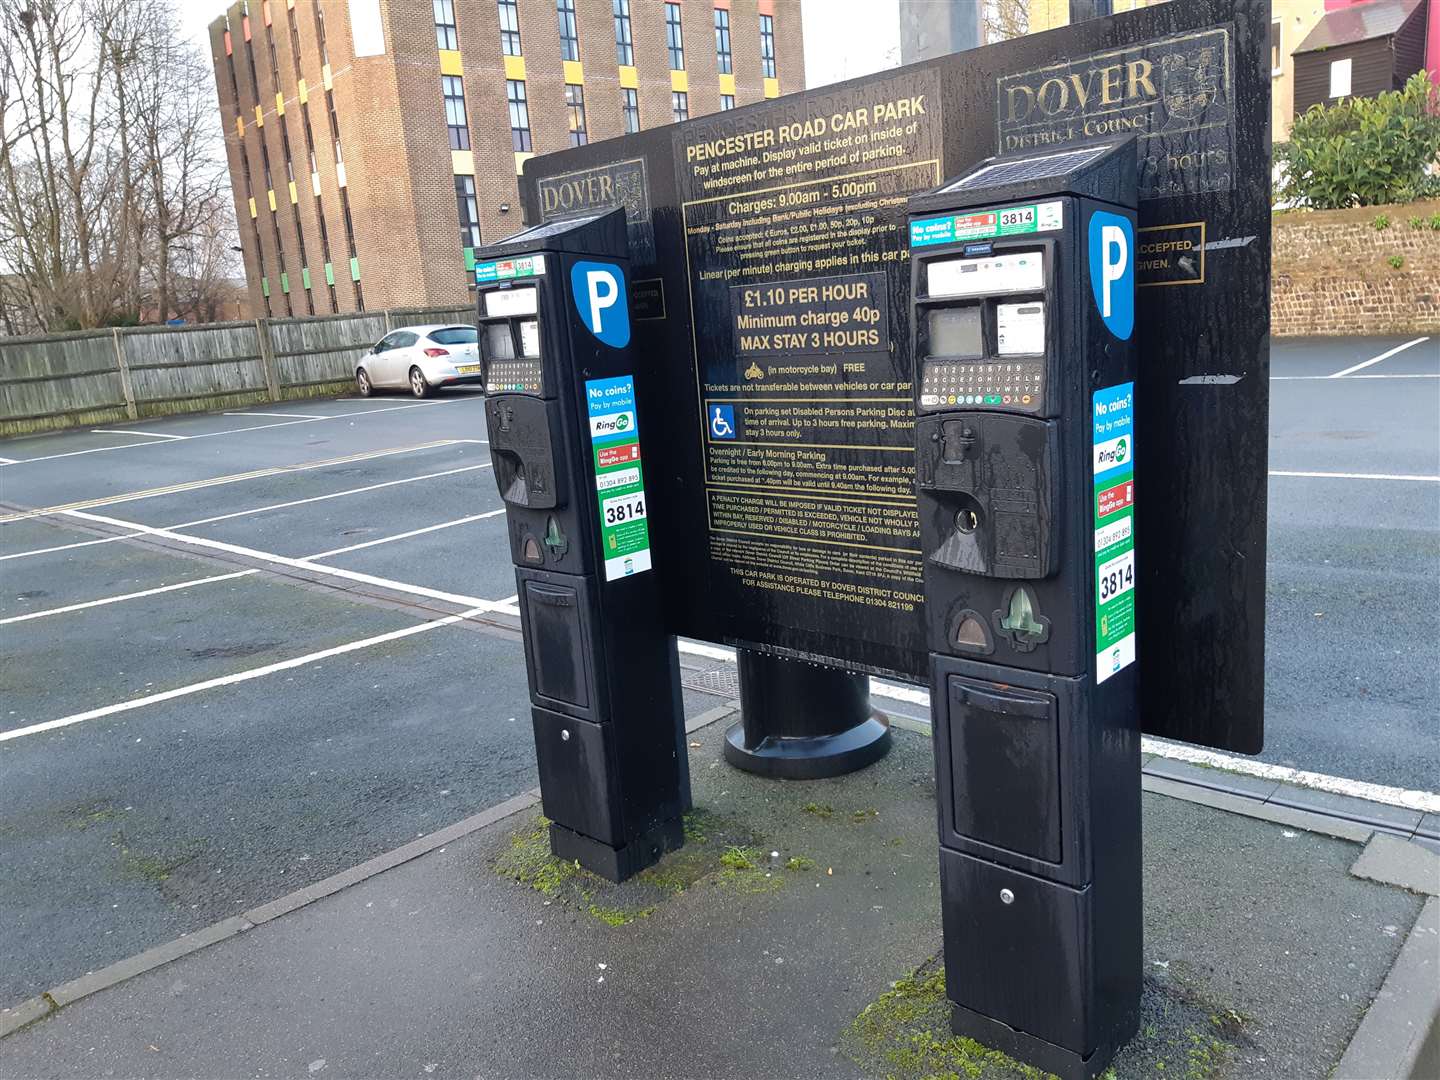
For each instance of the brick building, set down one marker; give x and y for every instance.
(373, 144)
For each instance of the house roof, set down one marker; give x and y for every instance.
(1363, 22)
(1358, 23)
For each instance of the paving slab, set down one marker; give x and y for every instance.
(444, 966)
(1394, 861)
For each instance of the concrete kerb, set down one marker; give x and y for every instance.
(1399, 1036)
(36, 1008)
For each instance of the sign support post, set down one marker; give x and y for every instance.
(803, 721)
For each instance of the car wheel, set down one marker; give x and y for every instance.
(418, 386)
(362, 382)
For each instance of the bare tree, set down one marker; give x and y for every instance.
(109, 158)
(1006, 19)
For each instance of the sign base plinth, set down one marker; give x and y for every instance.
(802, 721)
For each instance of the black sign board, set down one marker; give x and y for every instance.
(784, 511)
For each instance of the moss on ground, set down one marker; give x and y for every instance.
(153, 868)
(905, 1035)
(718, 850)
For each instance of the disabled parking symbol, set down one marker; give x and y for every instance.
(722, 421)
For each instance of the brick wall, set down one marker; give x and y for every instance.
(400, 173)
(1331, 272)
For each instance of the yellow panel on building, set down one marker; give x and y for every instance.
(462, 162)
(680, 82)
(727, 85)
(520, 159)
(450, 63)
(327, 77)
(280, 104)
(629, 77)
(271, 194)
(303, 92)
(339, 174)
(574, 71)
(315, 184)
(294, 193)
(515, 68)
(254, 213)
(240, 126)
(259, 117)
(772, 88)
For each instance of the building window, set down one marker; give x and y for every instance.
(509, 27)
(1340, 78)
(624, 43)
(673, 41)
(454, 89)
(519, 115)
(1277, 52)
(630, 106)
(569, 33)
(767, 46)
(575, 106)
(679, 106)
(445, 36)
(469, 211)
(727, 102)
(722, 41)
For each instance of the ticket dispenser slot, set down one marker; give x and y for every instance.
(1037, 746)
(563, 425)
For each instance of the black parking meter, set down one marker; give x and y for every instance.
(1023, 319)
(553, 312)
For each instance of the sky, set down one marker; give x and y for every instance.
(848, 38)
(197, 15)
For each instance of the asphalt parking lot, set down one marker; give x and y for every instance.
(244, 651)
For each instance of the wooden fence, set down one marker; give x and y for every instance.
(104, 376)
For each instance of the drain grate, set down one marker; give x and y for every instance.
(722, 681)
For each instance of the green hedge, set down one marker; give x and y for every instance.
(1364, 151)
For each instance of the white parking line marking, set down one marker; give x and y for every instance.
(244, 676)
(408, 535)
(66, 547)
(332, 495)
(1376, 359)
(285, 415)
(251, 511)
(233, 478)
(1324, 378)
(283, 560)
(500, 604)
(9, 461)
(1358, 476)
(1427, 801)
(238, 431)
(122, 431)
(126, 596)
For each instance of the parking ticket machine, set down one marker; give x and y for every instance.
(1023, 321)
(552, 308)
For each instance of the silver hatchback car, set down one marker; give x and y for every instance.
(420, 358)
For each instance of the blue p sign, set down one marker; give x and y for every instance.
(1112, 271)
(599, 291)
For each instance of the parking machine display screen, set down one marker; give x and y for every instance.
(506, 372)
